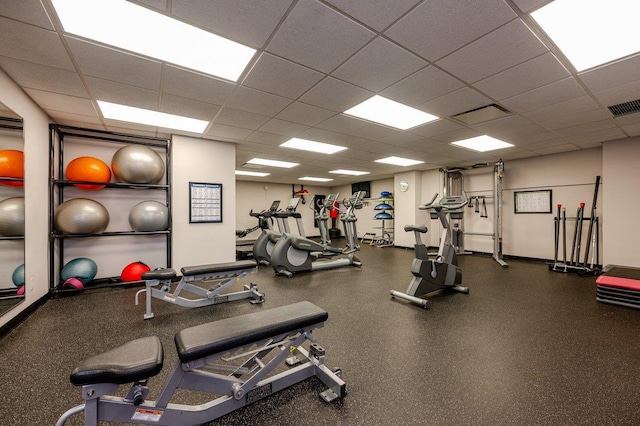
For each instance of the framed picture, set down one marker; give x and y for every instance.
(205, 202)
(532, 201)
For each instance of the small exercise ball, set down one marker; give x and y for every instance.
(385, 194)
(12, 217)
(134, 271)
(88, 169)
(81, 268)
(18, 276)
(137, 164)
(81, 216)
(383, 216)
(149, 216)
(20, 291)
(11, 166)
(73, 283)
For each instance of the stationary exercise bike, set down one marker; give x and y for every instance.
(442, 273)
(296, 254)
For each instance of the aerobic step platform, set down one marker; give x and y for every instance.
(620, 286)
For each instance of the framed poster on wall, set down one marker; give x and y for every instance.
(532, 201)
(205, 202)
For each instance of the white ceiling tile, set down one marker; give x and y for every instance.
(560, 110)
(265, 138)
(373, 131)
(33, 44)
(422, 86)
(632, 129)
(111, 91)
(41, 77)
(378, 65)
(188, 107)
(321, 135)
(243, 119)
(461, 100)
(378, 14)
(536, 72)
(62, 103)
(115, 65)
(619, 94)
(317, 36)
(567, 147)
(616, 74)
(281, 77)
(549, 94)
(530, 5)
(436, 127)
(281, 127)
(335, 95)
(342, 124)
(28, 11)
(436, 28)
(306, 114)
(160, 5)
(246, 21)
(187, 84)
(503, 48)
(227, 133)
(257, 101)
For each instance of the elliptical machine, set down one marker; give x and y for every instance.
(296, 254)
(442, 273)
(267, 240)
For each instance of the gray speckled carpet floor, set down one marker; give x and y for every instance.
(526, 346)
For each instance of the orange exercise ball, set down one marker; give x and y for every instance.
(11, 166)
(88, 169)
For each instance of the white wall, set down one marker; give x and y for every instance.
(36, 190)
(621, 201)
(201, 160)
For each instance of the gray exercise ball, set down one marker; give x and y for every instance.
(81, 216)
(137, 164)
(12, 217)
(149, 216)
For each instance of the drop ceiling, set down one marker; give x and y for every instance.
(316, 59)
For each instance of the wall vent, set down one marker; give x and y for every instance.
(625, 108)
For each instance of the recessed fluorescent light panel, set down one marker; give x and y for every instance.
(390, 113)
(307, 145)
(399, 161)
(482, 143)
(348, 172)
(272, 163)
(151, 118)
(128, 26)
(255, 174)
(315, 179)
(591, 32)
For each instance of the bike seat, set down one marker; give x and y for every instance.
(412, 228)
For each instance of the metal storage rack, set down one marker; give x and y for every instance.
(57, 186)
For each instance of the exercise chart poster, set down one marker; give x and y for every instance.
(205, 202)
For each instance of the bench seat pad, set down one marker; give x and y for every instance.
(135, 360)
(220, 336)
(218, 267)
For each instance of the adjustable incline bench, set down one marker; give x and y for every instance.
(245, 339)
(224, 273)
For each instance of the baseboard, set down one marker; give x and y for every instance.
(23, 315)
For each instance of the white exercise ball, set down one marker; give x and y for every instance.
(137, 164)
(149, 216)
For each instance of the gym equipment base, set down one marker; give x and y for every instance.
(619, 286)
(280, 330)
(225, 273)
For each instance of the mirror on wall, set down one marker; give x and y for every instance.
(12, 215)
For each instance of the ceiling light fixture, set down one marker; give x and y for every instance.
(591, 32)
(313, 146)
(315, 179)
(151, 118)
(246, 173)
(272, 163)
(390, 113)
(399, 161)
(149, 33)
(348, 172)
(482, 143)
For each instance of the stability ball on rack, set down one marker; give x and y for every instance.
(88, 169)
(12, 217)
(11, 166)
(18, 276)
(134, 271)
(149, 216)
(81, 268)
(81, 216)
(137, 164)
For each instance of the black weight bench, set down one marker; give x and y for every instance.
(226, 358)
(158, 285)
